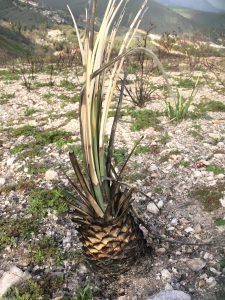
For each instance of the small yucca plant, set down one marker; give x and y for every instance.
(179, 108)
(110, 236)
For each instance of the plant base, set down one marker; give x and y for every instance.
(112, 248)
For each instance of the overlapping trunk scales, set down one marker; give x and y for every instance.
(112, 247)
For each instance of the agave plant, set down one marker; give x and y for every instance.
(111, 238)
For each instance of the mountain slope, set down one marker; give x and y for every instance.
(20, 14)
(164, 18)
(12, 44)
(201, 5)
(206, 20)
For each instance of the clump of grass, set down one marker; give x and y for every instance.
(41, 200)
(85, 293)
(209, 196)
(68, 85)
(59, 137)
(43, 288)
(167, 156)
(36, 168)
(18, 148)
(219, 222)
(142, 149)
(13, 229)
(164, 137)
(68, 99)
(37, 84)
(178, 109)
(144, 119)
(26, 130)
(45, 249)
(195, 134)
(120, 155)
(48, 96)
(8, 75)
(4, 98)
(30, 111)
(185, 163)
(210, 105)
(215, 169)
(186, 83)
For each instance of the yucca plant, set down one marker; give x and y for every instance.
(179, 108)
(111, 238)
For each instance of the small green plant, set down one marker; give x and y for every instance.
(196, 134)
(13, 229)
(209, 196)
(142, 149)
(222, 263)
(164, 137)
(41, 200)
(215, 169)
(179, 108)
(219, 222)
(210, 105)
(68, 99)
(185, 163)
(37, 289)
(144, 119)
(186, 83)
(30, 111)
(86, 293)
(35, 168)
(4, 98)
(8, 75)
(48, 96)
(45, 249)
(120, 155)
(167, 156)
(68, 85)
(59, 137)
(18, 148)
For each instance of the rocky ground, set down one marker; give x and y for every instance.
(181, 166)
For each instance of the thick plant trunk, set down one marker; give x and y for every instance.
(112, 247)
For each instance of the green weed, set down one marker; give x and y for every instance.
(209, 196)
(41, 200)
(58, 137)
(164, 137)
(48, 96)
(68, 99)
(186, 83)
(142, 149)
(219, 222)
(36, 168)
(68, 85)
(86, 293)
(144, 119)
(30, 111)
(8, 75)
(4, 98)
(185, 163)
(195, 134)
(215, 169)
(210, 105)
(167, 156)
(13, 229)
(45, 249)
(120, 155)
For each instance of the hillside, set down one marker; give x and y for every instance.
(19, 13)
(201, 5)
(207, 19)
(12, 44)
(172, 21)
